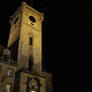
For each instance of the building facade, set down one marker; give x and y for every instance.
(21, 61)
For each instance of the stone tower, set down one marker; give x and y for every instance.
(26, 35)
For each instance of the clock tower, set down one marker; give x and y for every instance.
(23, 57)
(26, 35)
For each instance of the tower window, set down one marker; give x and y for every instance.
(31, 41)
(30, 63)
(16, 20)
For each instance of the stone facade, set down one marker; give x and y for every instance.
(21, 63)
(24, 29)
(6, 65)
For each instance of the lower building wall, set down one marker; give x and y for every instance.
(23, 82)
(20, 80)
(43, 87)
(49, 87)
(5, 79)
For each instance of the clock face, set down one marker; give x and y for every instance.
(32, 18)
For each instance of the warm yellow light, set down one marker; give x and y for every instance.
(33, 91)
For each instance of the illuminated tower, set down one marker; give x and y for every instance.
(25, 39)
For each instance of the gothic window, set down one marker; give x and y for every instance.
(10, 72)
(6, 58)
(30, 41)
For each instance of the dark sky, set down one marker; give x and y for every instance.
(76, 45)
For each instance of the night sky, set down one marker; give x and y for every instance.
(76, 45)
(67, 40)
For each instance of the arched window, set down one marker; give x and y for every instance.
(31, 41)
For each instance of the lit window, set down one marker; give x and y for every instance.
(10, 72)
(31, 41)
(8, 88)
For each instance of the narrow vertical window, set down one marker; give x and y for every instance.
(31, 63)
(31, 41)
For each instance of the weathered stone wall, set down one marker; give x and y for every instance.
(15, 27)
(5, 79)
(24, 29)
(23, 82)
(35, 31)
